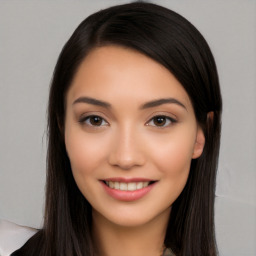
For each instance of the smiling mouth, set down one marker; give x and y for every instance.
(128, 186)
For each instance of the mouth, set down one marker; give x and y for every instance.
(128, 189)
(127, 186)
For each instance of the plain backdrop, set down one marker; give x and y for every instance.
(32, 34)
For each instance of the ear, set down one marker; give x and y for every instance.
(199, 143)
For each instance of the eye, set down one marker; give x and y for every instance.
(93, 120)
(161, 121)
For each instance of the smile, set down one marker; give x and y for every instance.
(128, 189)
(127, 186)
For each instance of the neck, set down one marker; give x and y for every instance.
(115, 240)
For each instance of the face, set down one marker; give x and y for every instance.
(130, 134)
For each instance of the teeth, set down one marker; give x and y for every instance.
(123, 186)
(140, 185)
(130, 186)
(145, 184)
(117, 185)
(111, 184)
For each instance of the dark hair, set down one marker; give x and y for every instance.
(171, 40)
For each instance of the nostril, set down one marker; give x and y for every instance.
(126, 158)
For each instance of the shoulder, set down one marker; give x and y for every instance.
(13, 236)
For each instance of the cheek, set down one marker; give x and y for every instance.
(172, 154)
(172, 159)
(85, 153)
(86, 156)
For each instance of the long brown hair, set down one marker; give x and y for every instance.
(171, 40)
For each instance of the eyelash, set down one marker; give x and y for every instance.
(168, 121)
(84, 120)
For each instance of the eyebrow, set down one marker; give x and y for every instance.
(156, 103)
(150, 104)
(92, 101)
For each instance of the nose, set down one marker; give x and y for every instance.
(126, 150)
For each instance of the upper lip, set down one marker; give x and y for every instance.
(127, 180)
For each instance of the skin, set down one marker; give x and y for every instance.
(129, 142)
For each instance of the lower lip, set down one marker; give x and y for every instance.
(127, 195)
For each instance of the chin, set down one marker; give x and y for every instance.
(132, 219)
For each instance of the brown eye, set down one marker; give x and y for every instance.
(93, 121)
(161, 121)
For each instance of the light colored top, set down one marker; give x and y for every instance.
(13, 236)
(168, 252)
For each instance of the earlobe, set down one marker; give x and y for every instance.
(200, 138)
(199, 143)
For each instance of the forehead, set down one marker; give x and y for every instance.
(112, 70)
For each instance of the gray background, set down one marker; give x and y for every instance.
(32, 34)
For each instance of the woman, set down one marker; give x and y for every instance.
(134, 132)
